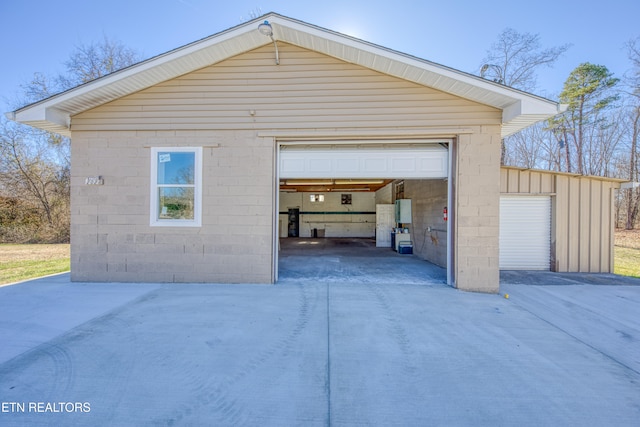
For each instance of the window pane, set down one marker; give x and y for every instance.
(176, 167)
(175, 203)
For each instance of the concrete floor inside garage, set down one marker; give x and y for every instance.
(352, 260)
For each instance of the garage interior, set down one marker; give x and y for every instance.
(360, 226)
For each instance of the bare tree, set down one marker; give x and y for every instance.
(253, 14)
(527, 148)
(87, 62)
(34, 165)
(515, 58)
(632, 197)
(35, 176)
(632, 78)
(632, 81)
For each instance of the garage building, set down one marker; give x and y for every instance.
(187, 167)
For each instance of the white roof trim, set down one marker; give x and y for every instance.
(520, 109)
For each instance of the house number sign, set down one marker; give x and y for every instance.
(94, 180)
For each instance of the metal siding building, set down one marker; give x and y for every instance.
(582, 220)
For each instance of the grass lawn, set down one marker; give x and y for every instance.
(627, 261)
(22, 262)
(28, 261)
(627, 253)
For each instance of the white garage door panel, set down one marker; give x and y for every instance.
(293, 165)
(428, 161)
(348, 164)
(525, 232)
(321, 166)
(372, 166)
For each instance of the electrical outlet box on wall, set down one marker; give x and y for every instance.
(403, 211)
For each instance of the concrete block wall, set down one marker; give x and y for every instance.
(329, 218)
(111, 236)
(384, 196)
(477, 210)
(428, 228)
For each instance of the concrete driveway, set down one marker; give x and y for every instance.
(365, 351)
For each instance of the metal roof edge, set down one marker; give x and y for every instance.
(568, 174)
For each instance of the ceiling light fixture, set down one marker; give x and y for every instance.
(266, 29)
(358, 181)
(311, 182)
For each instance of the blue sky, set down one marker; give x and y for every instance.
(39, 35)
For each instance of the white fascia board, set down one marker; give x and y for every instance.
(58, 117)
(526, 111)
(512, 111)
(32, 115)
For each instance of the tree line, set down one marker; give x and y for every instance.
(599, 130)
(596, 135)
(35, 165)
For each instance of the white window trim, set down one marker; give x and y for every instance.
(197, 203)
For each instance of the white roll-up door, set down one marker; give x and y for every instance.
(364, 161)
(525, 232)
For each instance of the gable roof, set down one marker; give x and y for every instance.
(519, 109)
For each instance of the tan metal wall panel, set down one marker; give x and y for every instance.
(573, 229)
(595, 226)
(559, 239)
(584, 223)
(525, 181)
(582, 216)
(547, 183)
(306, 91)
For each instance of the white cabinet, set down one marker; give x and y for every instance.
(403, 211)
(402, 238)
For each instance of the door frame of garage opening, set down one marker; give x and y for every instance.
(449, 143)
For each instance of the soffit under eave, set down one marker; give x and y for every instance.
(522, 122)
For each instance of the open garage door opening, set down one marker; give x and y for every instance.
(357, 211)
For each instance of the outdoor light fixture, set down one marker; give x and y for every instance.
(266, 29)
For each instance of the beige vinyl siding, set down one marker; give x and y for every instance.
(307, 90)
(582, 216)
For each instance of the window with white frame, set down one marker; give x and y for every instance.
(176, 186)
